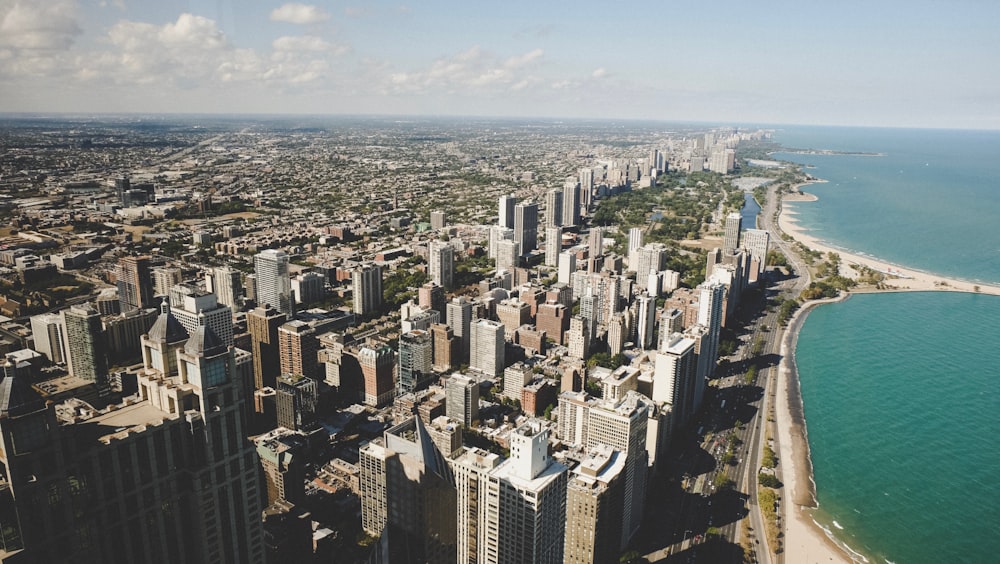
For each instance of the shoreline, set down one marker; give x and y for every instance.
(806, 540)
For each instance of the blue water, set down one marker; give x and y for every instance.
(900, 390)
(932, 202)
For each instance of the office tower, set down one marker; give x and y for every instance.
(646, 322)
(274, 287)
(298, 348)
(225, 283)
(674, 377)
(416, 356)
(122, 333)
(487, 347)
(462, 404)
(309, 287)
(731, 239)
(445, 346)
(567, 266)
(135, 283)
(498, 233)
(755, 241)
(526, 226)
(438, 219)
(282, 452)
(471, 469)
(622, 426)
(595, 500)
(553, 245)
(634, 242)
(366, 285)
(377, 371)
(553, 208)
(263, 323)
(578, 337)
(508, 254)
(710, 314)
(171, 470)
(50, 336)
(296, 397)
(164, 278)
(507, 204)
(525, 503)
(408, 497)
(86, 345)
(571, 204)
(190, 304)
(459, 318)
(441, 267)
(650, 259)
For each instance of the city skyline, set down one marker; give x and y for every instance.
(881, 64)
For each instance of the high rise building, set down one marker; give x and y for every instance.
(525, 503)
(225, 283)
(49, 334)
(459, 318)
(650, 259)
(190, 304)
(135, 283)
(438, 219)
(298, 349)
(674, 377)
(710, 314)
(634, 242)
(731, 239)
(167, 478)
(431, 296)
(567, 266)
(378, 372)
(595, 500)
(281, 453)
(274, 287)
(553, 245)
(622, 426)
(755, 241)
(416, 357)
(487, 347)
(526, 226)
(513, 313)
(571, 203)
(164, 278)
(507, 204)
(86, 345)
(122, 333)
(462, 402)
(578, 337)
(296, 397)
(553, 208)
(408, 496)
(263, 323)
(646, 325)
(498, 233)
(309, 287)
(508, 254)
(553, 319)
(445, 346)
(471, 469)
(366, 285)
(595, 246)
(441, 264)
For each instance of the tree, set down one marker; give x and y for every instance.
(723, 482)
(768, 480)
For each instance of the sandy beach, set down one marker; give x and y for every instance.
(908, 279)
(805, 541)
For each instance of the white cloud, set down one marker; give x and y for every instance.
(38, 26)
(307, 43)
(471, 70)
(521, 60)
(299, 14)
(599, 73)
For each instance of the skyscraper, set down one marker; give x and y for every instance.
(164, 278)
(50, 336)
(471, 469)
(225, 283)
(263, 323)
(595, 500)
(526, 226)
(416, 357)
(674, 377)
(634, 242)
(731, 240)
(571, 203)
(135, 283)
(507, 254)
(487, 347)
(445, 347)
(296, 397)
(646, 322)
(756, 241)
(710, 305)
(189, 303)
(553, 245)
(462, 402)
(459, 318)
(441, 267)
(298, 347)
(366, 285)
(525, 503)
(377, 371)
(86, 345)
(567, 266)
(650, 259)
(274, 287)
(553, 208)
(506, 213)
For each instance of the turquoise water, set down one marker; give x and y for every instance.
(902, 408)
(900, 390)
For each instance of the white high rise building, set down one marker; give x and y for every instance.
(189, 304)
(674, 375)
(50, 336)
(646, 325)
(567, 266)
(274, 287)
(366, 285)
(471, 469)
(713, 294)
(225, 283)
(524, 507)
(553, 208)
(571, 203)
(487, 347)
(441, 265)
(506, 214)
(462, 402)
(756, 241)
(731, 239)
(634, 242)
(650, 258)
(553, 245)
(508, 254)
(498, 233)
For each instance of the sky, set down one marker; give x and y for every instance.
(900, 63)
